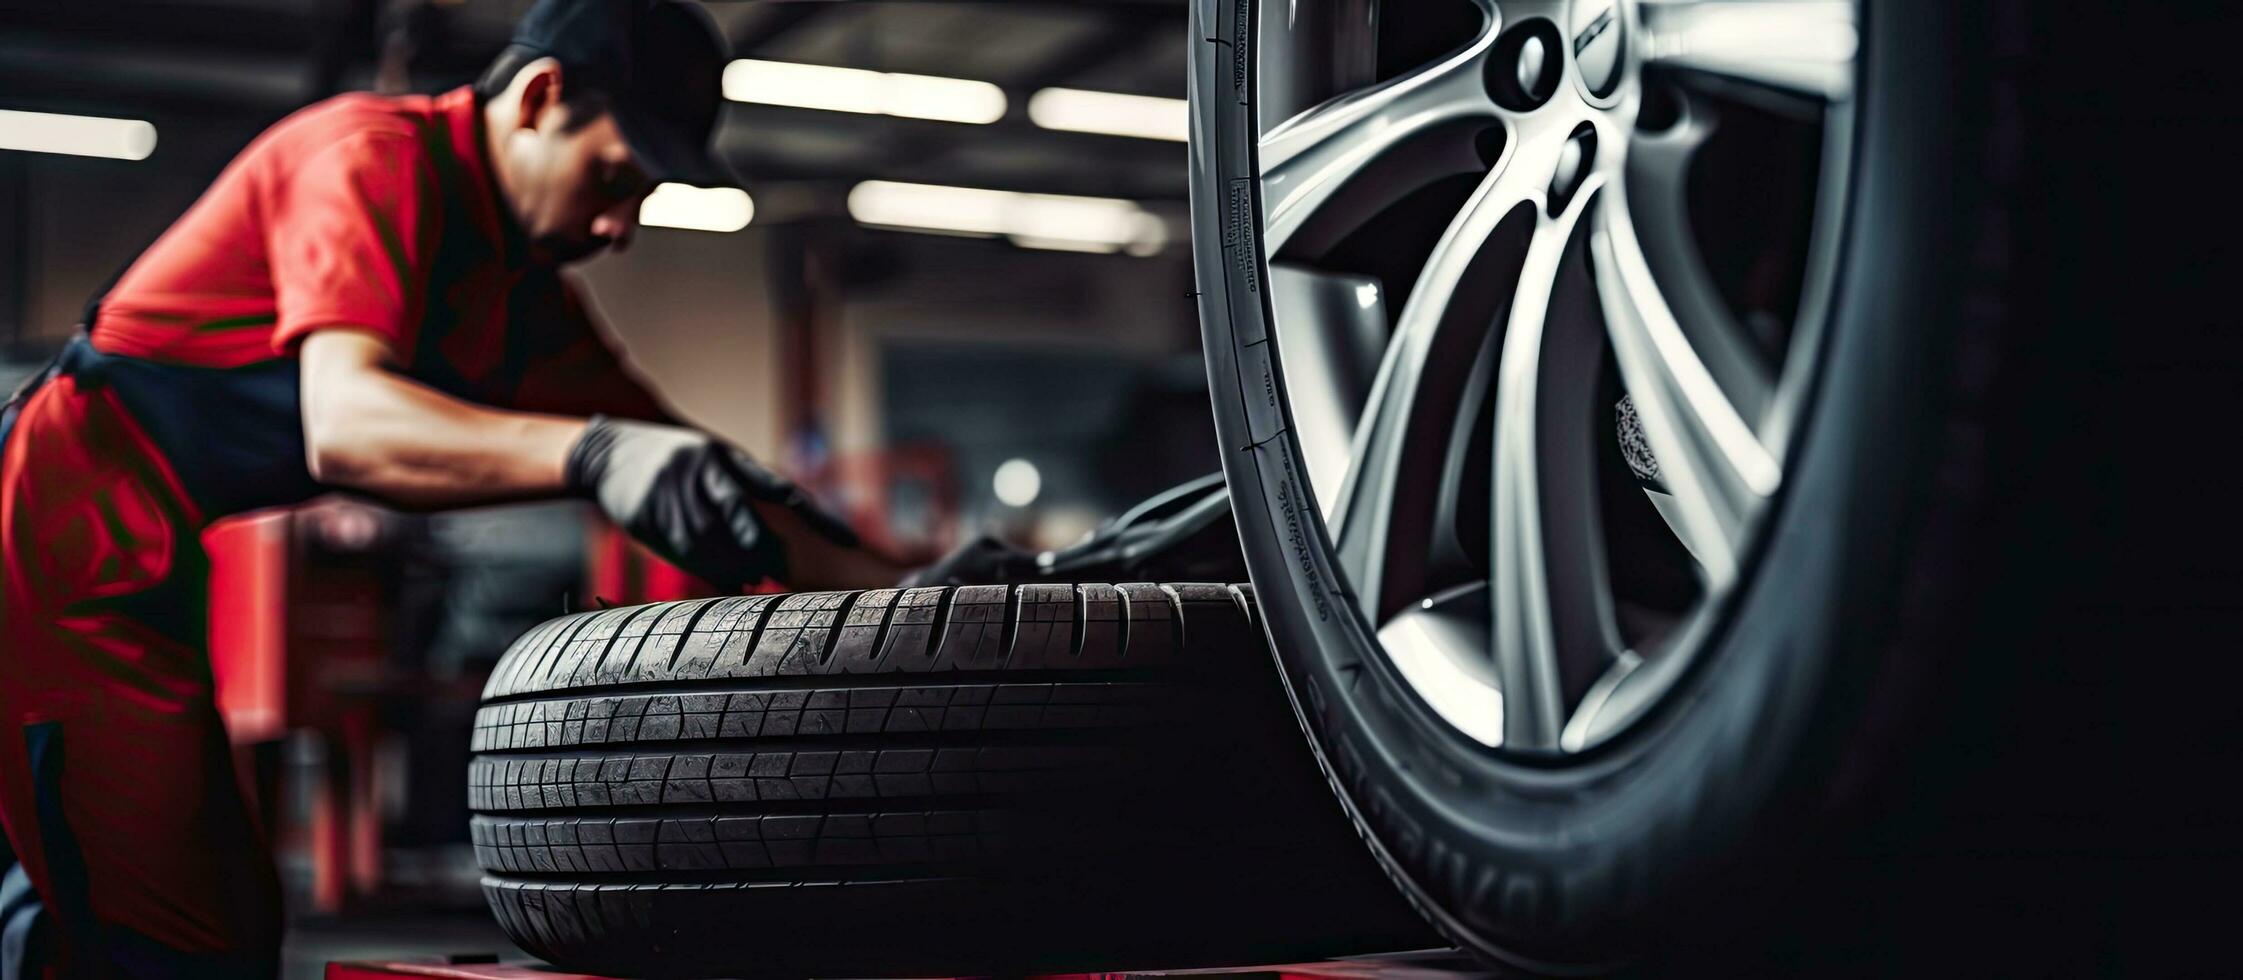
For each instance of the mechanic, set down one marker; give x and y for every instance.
(368, 299)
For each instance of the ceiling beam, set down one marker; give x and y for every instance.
(1123, 35)
(1127, 31)
(779, 20)
(194, 25)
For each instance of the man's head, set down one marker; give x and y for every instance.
(594, 103)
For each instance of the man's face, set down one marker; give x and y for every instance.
(577, 186)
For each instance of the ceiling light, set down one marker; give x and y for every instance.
(1063, 244)
(1034, 220)
(948, 99)
(971, 210)
(697, 208)
(836, 89)
(85, 136)
(1017, 483)
(1111, 113)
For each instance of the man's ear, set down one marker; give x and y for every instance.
(540, 90)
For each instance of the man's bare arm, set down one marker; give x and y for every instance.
(371, 429)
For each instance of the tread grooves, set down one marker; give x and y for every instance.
(601, 664)
(1010, 629)
(562, 663)
(502, 676)
(798, 682)
(526, 672)
(554, 651)
(810, 806)
(811, 874)
(1122, 604)
(665, 608)
(1082, 623)
(1176, 612)
(840, 621)
(755, 634)
(612, 639)
(1070, 737)
(796, 744)
(879, 646)
(939, 634)
(687, 634)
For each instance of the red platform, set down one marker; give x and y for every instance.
(1429, 965)
(463, 971)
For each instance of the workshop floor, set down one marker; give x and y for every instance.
(373, 938)
(433, 909)
(432, 906)
(314, 942)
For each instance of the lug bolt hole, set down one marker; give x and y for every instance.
(1574, 162)
(1532, 67)
(1526, 65)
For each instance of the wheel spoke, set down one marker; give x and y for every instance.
(1441, 646)
(1801, 47)
(1332, 329)
(1704, 442)
(1309, 164)
(1448, 315)
(1591, 718)
(1657, 202)
(1631, 685)
(1551, 613)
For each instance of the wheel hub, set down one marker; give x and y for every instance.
(1597, 46)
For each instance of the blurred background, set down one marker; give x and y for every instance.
(953, 299)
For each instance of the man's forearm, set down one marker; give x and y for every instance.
(370, 429)
(392, 438)
(419, 448)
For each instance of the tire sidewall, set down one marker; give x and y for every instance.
(1579, 865)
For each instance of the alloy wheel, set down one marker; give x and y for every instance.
(1546, 307)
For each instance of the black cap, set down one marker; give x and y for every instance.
(661, 61)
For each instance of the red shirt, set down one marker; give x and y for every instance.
(378, 213)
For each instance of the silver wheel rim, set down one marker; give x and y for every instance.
(1572, 264)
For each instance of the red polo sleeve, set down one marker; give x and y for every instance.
(351, 234)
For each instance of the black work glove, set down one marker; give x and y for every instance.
(688, 497)
(982, 561)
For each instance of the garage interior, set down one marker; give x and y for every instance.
(828, 345)
(1878, 495)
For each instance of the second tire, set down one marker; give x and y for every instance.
(968, 779)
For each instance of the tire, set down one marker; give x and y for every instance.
(1927, 506)
(931, 780)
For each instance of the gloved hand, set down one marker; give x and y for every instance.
(981, 561)
(688, 496)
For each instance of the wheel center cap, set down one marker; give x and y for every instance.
(1594, 36)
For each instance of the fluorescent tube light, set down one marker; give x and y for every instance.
(85, 136)
(836, 89)
(968, 210)
(947, 99)
(1034, 220)
(1111, 113)
(697, 208)
(1063, 245)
